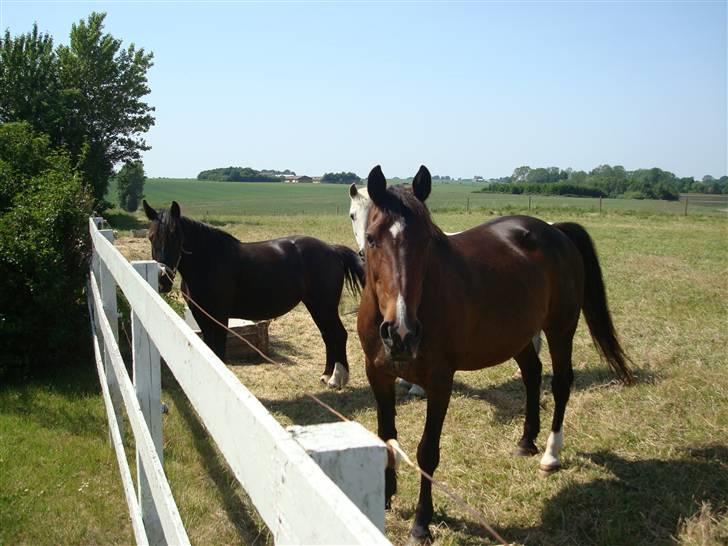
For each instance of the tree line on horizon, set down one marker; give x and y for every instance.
(243, 174)
(605, 181)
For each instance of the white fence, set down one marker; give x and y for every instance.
(297, 500)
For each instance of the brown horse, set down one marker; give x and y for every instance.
(256, 281)
(434, 304)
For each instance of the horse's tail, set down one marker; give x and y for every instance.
(595, 308)
(353, 268)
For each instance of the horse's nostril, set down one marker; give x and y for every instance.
(385, 331)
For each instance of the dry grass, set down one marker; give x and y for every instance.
(642, 465)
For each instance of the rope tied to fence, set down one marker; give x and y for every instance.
(394, 450)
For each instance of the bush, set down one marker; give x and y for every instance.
(43, 255)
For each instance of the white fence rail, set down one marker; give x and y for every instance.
(295, 498)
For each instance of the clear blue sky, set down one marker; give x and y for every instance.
(466, 88)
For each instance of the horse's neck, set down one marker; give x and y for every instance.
(200, 244)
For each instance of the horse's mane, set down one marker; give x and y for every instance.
(193, 228)
(401, 201)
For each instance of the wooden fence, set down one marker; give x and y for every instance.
(295, 498)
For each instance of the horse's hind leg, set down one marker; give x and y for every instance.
(336, 371)
(530, 367)
(560, 347)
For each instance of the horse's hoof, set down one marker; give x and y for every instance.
(324, 378)
(417, 541)
(340, 377)
(548, 469)
(418, 536)
(521, 451)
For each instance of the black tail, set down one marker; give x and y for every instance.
(353, 268)
(595, 308)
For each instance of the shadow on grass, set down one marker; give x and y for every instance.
(124, 221)
(238, 512)
(509, 398)
(643, 503)
(303, 411)
(41, 400)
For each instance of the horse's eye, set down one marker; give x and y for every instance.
(370, 239)
(351, 216)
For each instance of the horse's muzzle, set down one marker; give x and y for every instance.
(166, 278)
(398, 347)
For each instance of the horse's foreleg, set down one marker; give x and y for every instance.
(530, 366)
(428, 454)
(216, 338)
(382, 385)
(561, 387)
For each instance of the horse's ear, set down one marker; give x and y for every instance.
(376, 184)
(174, 210)
(149, 211)
(422, 184)
(353, 192)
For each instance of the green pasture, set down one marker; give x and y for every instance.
(646, 464)
(228, 199)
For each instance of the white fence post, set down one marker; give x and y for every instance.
(148, 386)
(107, 286)
(353, 458)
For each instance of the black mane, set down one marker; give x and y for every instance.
(193, 228)
(401, 201)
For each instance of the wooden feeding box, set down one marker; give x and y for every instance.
(255, 332)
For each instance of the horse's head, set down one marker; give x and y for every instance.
(165, 235)
(358, 212)
(397, 243)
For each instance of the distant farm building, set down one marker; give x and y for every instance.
(477, 178)
(293, 179)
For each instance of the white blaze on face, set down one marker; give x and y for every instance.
(401, 316)
(396, 228)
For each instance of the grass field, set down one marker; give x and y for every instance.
(646, 464)
(227, 199)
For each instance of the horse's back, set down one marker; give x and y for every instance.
(523, 273)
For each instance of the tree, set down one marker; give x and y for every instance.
(43, 254)
(520, 174)
(340, 178)
(86, 96)
(30, 89)
(130, 185)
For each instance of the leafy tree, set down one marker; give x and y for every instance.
(43, 254)
(520, 174)
(103, 89)
(130, 185)
(30, 88)
(340, 178)
(86, 96)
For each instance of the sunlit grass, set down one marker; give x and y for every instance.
(640, 464)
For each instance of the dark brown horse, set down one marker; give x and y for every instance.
(256, 281)
(435, 304)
